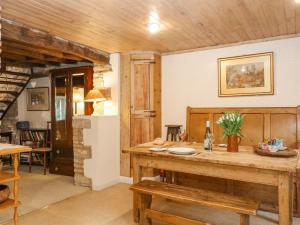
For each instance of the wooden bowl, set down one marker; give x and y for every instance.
(4, 193)
(284, 153)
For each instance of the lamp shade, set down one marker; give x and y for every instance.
(94, 95)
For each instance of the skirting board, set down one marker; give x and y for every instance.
(126, 180)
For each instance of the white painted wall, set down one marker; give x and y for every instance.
(191, 79)
(37, 119)
(104, 136)
(112, 79)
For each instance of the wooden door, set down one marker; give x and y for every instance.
(142, 102)
(62, 135)
(66, 83)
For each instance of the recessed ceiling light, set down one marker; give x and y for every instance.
(153, 27)
(154, 24)
(297, 1)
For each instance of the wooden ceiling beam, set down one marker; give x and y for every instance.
(7, 55)
(22, 56)
(46, 52)
(23, 64)
(16, 31)
(36, 61)
(22, 52)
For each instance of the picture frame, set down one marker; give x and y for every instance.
(38, 99)
(246, 75)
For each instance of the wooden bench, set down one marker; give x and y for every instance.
(146, 189)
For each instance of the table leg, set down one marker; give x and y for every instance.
(45, 162)
(285, 198)
(30, 161)
(16, 190)
(137, 177)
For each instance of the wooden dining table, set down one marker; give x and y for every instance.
(244, 165)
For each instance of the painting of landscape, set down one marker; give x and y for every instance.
(245, 75)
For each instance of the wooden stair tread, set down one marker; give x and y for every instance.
(41, 150)
(15, 88)
(197, 196)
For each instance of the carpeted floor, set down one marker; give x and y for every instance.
(113, 206)
(38, 191)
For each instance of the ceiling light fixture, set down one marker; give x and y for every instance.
(153, 27)
(297, 1)
(154, 24)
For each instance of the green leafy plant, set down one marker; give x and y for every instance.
(231, 122)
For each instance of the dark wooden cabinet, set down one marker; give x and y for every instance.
(68, 88)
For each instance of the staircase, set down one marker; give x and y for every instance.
(11, 86)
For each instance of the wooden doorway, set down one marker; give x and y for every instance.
(142, 104)
(68, 88)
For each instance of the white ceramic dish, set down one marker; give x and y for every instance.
(222, 145)
(157, 149)
(182, 151)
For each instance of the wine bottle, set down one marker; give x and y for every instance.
(207, 142)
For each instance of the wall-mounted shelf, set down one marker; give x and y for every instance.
(8, 177)
(14, 177)
(9, 203)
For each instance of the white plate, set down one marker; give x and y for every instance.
(222, 145)
(157, 149)
(182, 151)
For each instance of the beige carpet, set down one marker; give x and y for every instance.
(113, 206)
(38, 191)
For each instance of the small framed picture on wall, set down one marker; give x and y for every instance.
(38, 99)
(246, 75)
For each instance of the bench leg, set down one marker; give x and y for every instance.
(45, 162)
(30, 162)
(144, 203)
(244, 219)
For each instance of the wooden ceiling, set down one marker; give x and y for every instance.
(121, 25)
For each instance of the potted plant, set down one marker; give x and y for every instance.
(231, 122)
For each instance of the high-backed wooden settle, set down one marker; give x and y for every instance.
(260, 124)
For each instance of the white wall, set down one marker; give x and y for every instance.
(112, 79)
(37, 119)
(191, 79)
(104, 136)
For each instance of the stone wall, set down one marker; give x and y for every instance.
(8, 123)
(81, 152)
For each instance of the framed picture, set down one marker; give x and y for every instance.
(38, 99)
(246, 75)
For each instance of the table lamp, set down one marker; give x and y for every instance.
(94, 96)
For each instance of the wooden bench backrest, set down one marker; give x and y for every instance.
(260, 124)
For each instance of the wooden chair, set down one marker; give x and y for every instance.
(173, 131)
(45, 150)
(146, 189)
(173, 134)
